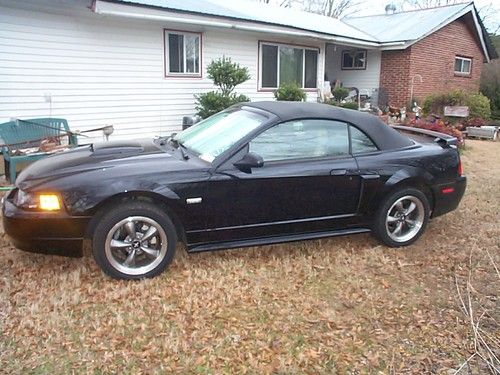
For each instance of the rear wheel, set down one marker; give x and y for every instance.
(134, 241)
(402, 218)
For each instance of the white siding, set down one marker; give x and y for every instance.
(103, 70)
(367, 79)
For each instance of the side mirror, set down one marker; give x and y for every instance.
(248, 162)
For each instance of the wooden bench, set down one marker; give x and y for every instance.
(18, 136)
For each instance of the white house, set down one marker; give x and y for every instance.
(136, 64)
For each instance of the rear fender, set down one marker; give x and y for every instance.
(408, 177)
(408, 174)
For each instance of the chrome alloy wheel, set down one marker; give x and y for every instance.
(405, 218)
(136, 245)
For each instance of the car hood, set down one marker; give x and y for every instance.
(120, 158)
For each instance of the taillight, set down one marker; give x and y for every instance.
(460, 170)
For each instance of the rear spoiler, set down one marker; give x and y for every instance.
(444, 140)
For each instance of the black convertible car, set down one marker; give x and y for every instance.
(257, 173)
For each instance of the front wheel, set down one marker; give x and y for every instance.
(133, 241)
(402, 218)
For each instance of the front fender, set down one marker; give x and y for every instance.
(86, 194)
(84, 201)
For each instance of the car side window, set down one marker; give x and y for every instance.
(300, 139)
(360, 143)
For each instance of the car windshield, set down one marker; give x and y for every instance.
(211, 137)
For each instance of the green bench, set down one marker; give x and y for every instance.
(18, 135)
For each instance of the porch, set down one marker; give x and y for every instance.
(357, 69)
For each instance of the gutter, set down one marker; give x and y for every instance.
(111, 9)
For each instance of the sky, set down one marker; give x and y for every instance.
(370, 7)
(492, 21)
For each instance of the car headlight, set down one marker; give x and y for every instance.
(38, 201)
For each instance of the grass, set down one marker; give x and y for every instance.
(333, 306)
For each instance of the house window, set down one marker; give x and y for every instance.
(353, 59)
(463, 65)
(182, 53)
(281, 63)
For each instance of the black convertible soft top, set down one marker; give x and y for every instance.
(383, 135)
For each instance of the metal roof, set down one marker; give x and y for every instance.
(406, 26)
(399, 29)
(262, 13)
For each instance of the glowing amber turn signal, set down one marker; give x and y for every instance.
(49, 202)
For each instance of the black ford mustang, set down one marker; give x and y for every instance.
(257, 173)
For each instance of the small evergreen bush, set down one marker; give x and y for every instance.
(226, 75)
(290, 92)
(213, 102)
(479, 105)
(348, 105)
(340, 93)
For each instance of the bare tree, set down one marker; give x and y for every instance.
(487, 12)
(281, 3)
(424, 4)
(331, 8)
(488, 15)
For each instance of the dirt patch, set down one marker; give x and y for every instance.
(341, 305)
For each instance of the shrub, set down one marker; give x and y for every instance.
(490, 86)
(340, 93)
(226, 76)
(439, 126)
(349, 105)
(479, 105)
(435, 103)
(213, 102)
(475, 122)
(290, 92)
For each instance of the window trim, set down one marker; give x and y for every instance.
(308, 158)
(278, 44)
(463, 58)
(350, 125)
(166, 61)
(344, 51)
(367, 136)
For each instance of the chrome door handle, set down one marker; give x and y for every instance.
(338, 172)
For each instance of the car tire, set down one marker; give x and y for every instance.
(402, 217)
(134, 240)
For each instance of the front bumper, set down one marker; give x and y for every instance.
(44, 232)
(447, 196)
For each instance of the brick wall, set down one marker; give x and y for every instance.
(434, 59)
(394, 73)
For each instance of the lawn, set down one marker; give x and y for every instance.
(334, 306)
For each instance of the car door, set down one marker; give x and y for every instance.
(308, 182)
